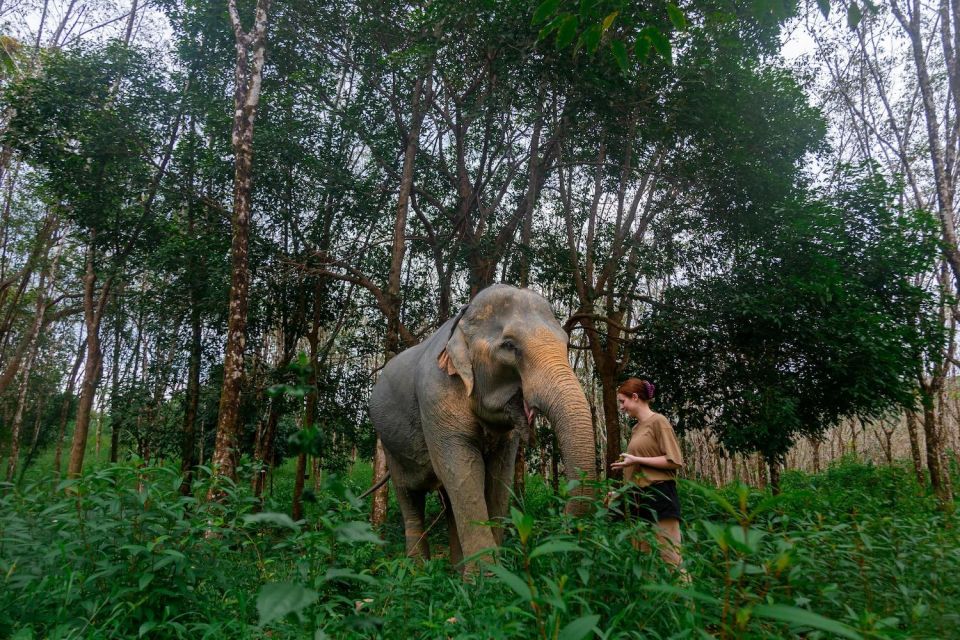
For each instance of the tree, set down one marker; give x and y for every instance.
(811, 327)
(251, 52)
(102, 125)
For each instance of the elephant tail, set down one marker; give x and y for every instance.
(382, 482)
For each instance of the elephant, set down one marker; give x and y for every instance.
(451, 412)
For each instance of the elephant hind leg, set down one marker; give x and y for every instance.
(456, 553)
(412, 505)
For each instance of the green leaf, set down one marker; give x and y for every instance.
(746, 541)
(278, 599)
(802, 617)
(718, 533)
(713, 496)
(347, 574)
(688, 594)
(641, 49)
(551, 26)
(677, 16)
(546, 9)
(854, 15)
(512, 580)
(660, 42)
(144, 581)
(609, 20)
(824, 7)
(556, 546)
(590, 38)
(274, 518)
(567, 31)
(146, 628)
(579, 628)
(619, 51)
(357, 532)
(523, 522)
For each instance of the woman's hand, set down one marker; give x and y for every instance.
(625, 460)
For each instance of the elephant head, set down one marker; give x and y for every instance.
(511, 353)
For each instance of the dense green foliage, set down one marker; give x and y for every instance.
(793, 333)
(858, 551)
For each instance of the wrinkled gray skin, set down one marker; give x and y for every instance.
(451, 411)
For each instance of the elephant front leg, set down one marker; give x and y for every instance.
(459, 465)
(498, 480)
(456, 553)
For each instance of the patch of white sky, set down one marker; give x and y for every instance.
(824, 51)
(65, 23)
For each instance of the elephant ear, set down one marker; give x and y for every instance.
(455, 357)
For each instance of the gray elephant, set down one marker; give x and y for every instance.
(451, 411)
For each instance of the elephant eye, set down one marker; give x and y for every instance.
(510, 345)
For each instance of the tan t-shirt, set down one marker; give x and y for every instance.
(651, 438)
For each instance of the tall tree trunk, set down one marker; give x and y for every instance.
(66, 404)
(264, 450)
(310, 410)
(250, 50)
(115, 377)
(422, 95)
(774, 465)
(915, 453)
(39, 252)
(943, 176)
(188, 443)
(931, 432)
(93, 314)
(35, 440)
(17, 425)
(815, 443)
(526, 234)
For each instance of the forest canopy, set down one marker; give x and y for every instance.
(662, 195)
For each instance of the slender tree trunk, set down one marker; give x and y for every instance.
(526, 234)
(310, 410)
(5, 221)
(943, 177)
(35, 440)
(775, 466)
(115, 378)
(188, 444)
(99, 432)
(934, 447)
(93, 313)
(17, 425)
(250, 49)
(264, 452)
(422, 95)
(915, 453)
(66, 404)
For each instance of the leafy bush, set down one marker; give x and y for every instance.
(856, 552)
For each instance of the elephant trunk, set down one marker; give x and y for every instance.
(554, 389)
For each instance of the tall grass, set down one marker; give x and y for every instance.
(857, 552)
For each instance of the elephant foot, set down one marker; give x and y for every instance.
(417, 545)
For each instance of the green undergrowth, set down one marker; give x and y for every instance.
(858, 551)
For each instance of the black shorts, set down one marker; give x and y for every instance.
(653, 503)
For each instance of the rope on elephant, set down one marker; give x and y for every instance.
(432, 524)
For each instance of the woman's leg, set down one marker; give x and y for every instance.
(668, 539)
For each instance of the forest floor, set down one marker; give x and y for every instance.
(858, 551)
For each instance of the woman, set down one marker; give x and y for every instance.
(650, 463)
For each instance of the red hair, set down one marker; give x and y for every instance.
(643, 388)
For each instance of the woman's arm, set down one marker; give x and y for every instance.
(657, 462)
